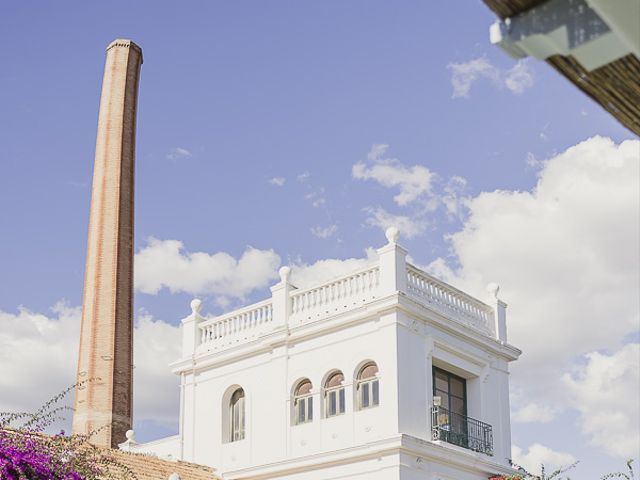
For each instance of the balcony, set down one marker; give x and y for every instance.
(462, 431)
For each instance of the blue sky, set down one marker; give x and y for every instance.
(252, 116)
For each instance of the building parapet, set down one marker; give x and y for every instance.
(244, 324)
(335, 296)
(289, 306)
(449, 301)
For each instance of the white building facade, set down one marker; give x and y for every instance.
(385, 373)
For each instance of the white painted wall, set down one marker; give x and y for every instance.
(268, 379)
(391, 314)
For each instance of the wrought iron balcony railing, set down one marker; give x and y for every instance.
(461, 430)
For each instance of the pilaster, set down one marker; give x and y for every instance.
(191, 334)
(393, 264)
(281, 298)
(499, 312)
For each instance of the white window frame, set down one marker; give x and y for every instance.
(338, 394)
(237, 418)
(368, 387)
(302, 409)
(371, 388)
(302, 403)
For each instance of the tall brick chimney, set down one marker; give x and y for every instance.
(104, 401)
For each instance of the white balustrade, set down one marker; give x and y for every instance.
(338, 295)
(448, 300)
(237, 326)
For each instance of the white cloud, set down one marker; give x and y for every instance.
(518, 78)
(538, 455)
(532, 161)
(565, 253)
(277, 181)
(178, 153)
(156, 390)
(303, 177)
(47, 349)
(453, 197)
(463, 75)
(605, 391)
(421, 190)
(566, 257)
(413, 182)
(544, 134)
(304, 275)
(317, 199)
(409, 226)
(524, 410)
(324, 232)
(534, 413)
(165, 264)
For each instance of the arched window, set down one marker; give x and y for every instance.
(236, 416)
(368, 386)
(334, 395)
(302, 403)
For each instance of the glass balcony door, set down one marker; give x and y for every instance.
(452, 391)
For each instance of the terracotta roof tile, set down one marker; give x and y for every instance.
(147, 467)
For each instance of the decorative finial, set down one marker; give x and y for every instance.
(284, 272)
(392, 234)
(493, 289)
(131, 436)
(196, 306)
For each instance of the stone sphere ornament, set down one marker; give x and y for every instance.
(196, 306)
(392, 234)
(284, 272)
